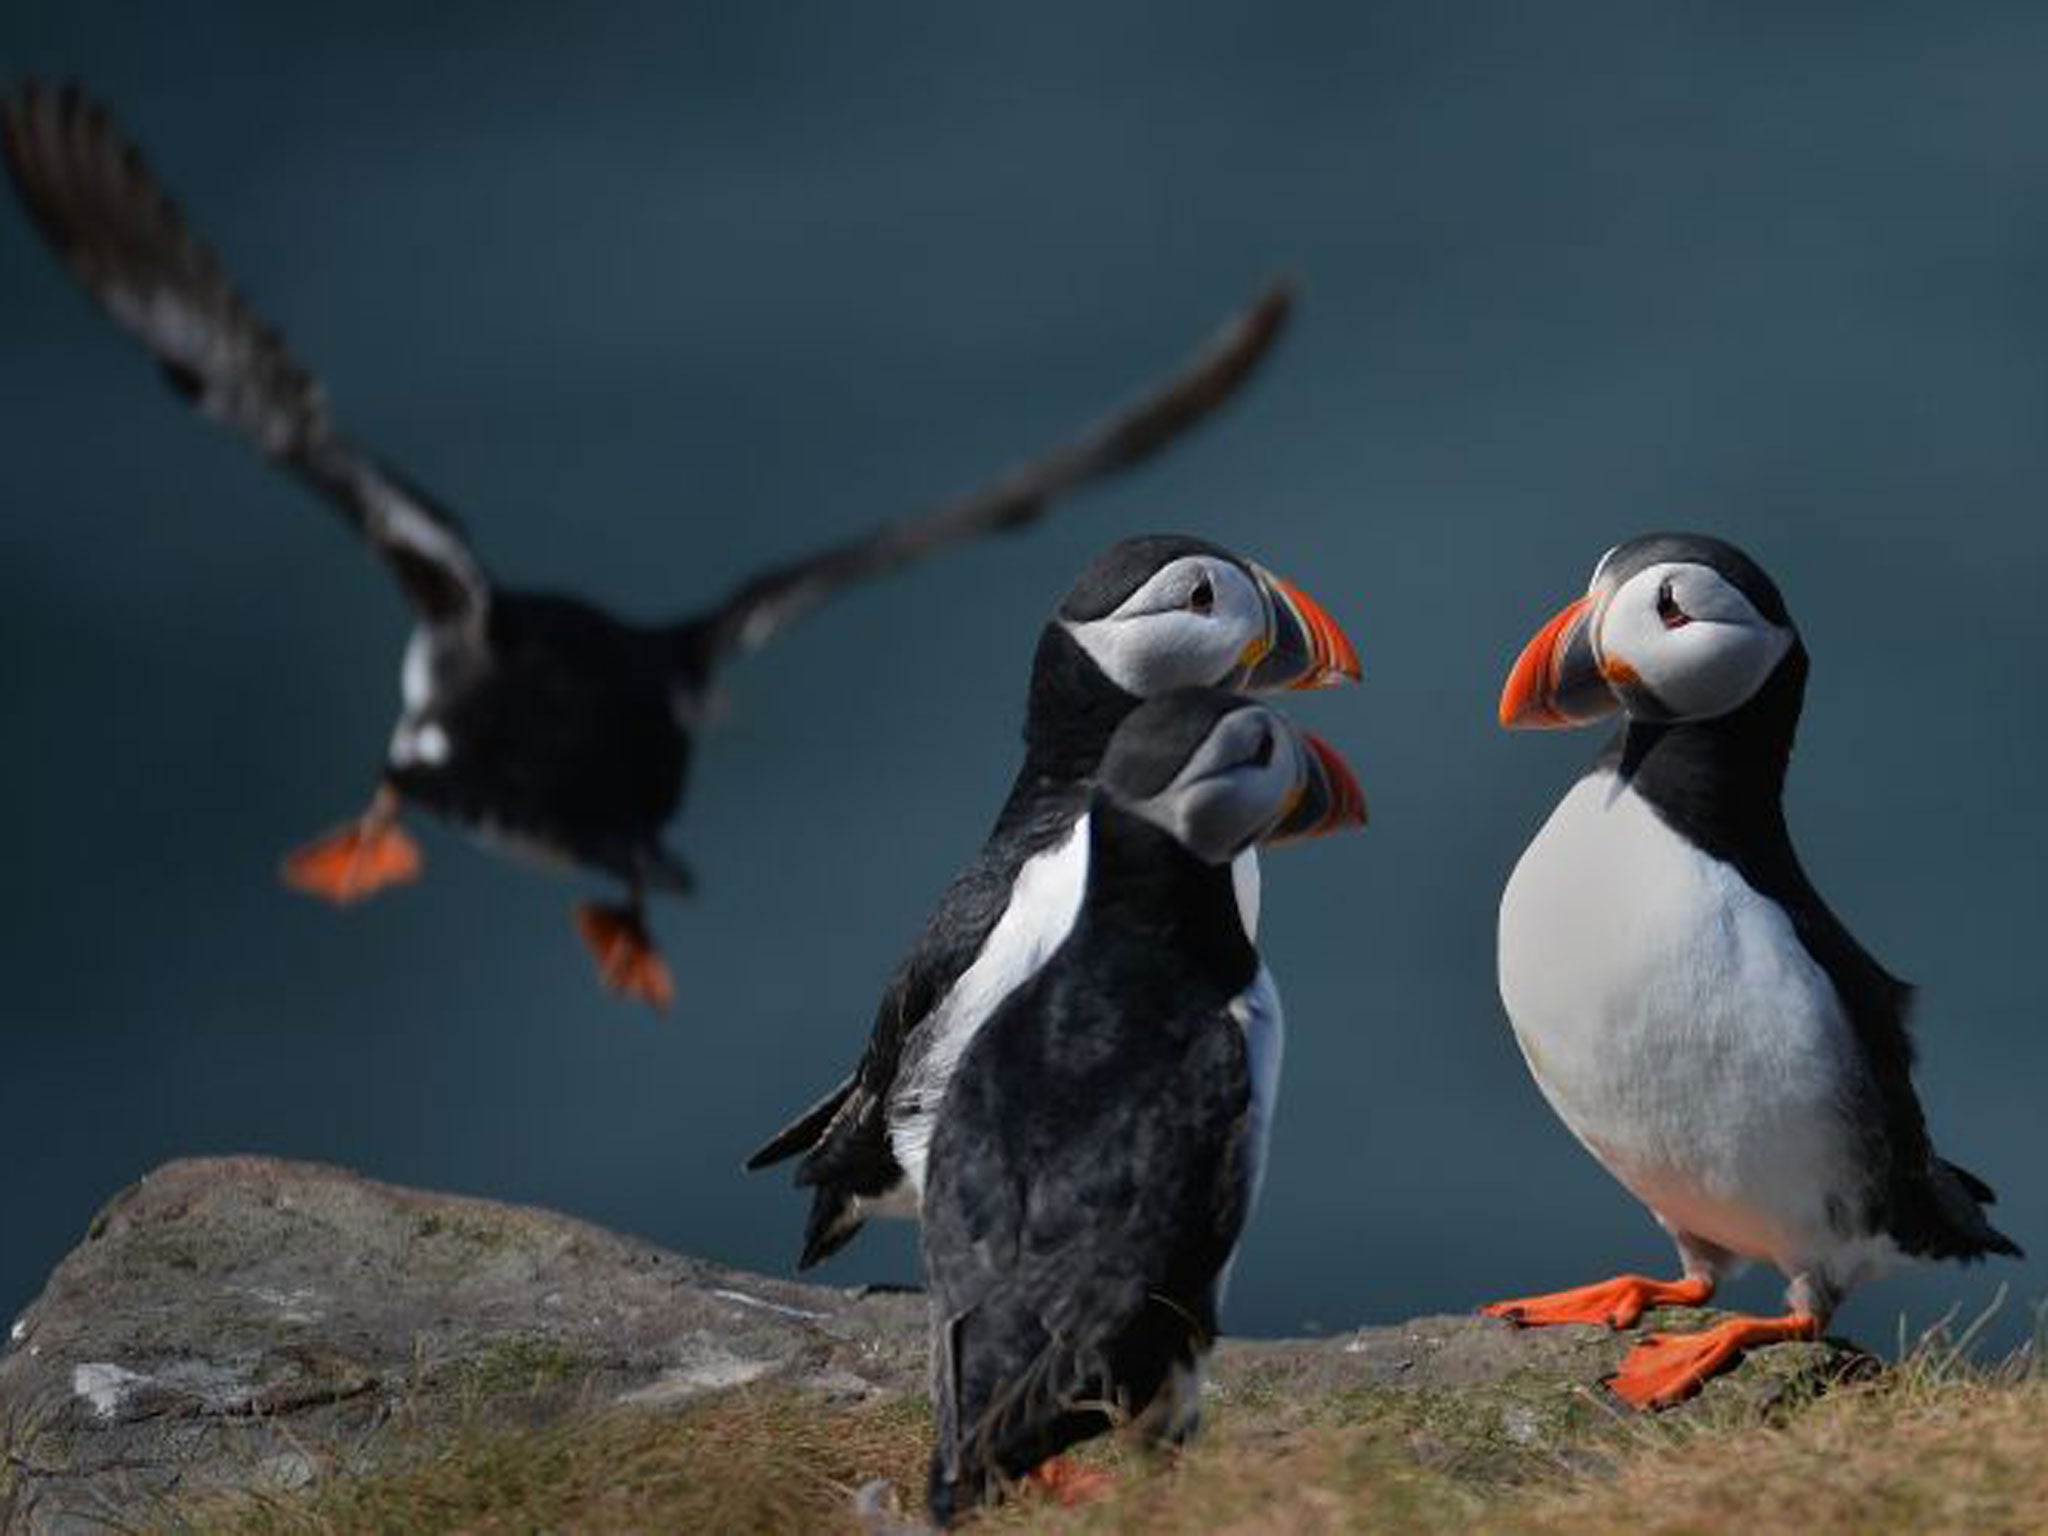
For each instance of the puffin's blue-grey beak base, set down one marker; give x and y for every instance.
(1307, 648)
(1330, 800)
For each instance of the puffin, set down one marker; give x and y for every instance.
(1150, 614)
(534, 721)
(1687, 1003)
(1102, 1138)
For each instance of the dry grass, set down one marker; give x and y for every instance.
(748, 1461)
(1935, 1445)
(1882, 1458)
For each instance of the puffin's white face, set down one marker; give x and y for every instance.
(1664, 632)
(1249, 778)
(1200, 620)
(1677, 641)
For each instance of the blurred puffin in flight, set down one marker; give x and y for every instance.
(534, 720)
(1149, 615)
(1686, 1001)
(1101, 1142)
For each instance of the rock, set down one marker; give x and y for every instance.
(239, 1322)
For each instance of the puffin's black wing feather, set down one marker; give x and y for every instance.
(1088, 1183)
(849, 1154)
(96, 204)
(768, 603)
(802, 1133)
(1930, 1207)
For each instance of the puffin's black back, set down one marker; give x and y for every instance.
(1088, 1176)
(570, 737)
(1072, 711)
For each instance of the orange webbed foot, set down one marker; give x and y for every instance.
(1615, 1303)
(1068, 1482)
(354, 862)
(1667, 1368)
(627, 960)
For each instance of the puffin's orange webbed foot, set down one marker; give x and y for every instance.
(1667, 1368)
(1068, 1482)
(355, 861)
(627, 960)
(1615, 1303)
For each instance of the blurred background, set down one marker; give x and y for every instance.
(656, 294)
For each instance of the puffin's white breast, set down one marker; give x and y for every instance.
(1679, 1028)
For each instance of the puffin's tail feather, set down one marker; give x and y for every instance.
(802, 1133)
(834, 1220)
(1960, 1229)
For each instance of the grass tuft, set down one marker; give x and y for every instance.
(1936, 1444)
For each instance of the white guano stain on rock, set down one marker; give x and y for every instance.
(769, 1306)
(713, 1373)
(299, 1305)
(104, 1385)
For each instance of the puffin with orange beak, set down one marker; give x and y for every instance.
(1102, 1141)
(1149, 615)
(1687, 1003)
(535, 721)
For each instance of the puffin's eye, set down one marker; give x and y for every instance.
(1262, 754)
(1674, 617)
(1203, 598)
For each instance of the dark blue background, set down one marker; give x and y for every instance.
(655, 294)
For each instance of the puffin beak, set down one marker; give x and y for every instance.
(1330, 799)
(1306, 649)
(1556, 681)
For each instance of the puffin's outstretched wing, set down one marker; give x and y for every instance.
(92, 196)
(762, 606)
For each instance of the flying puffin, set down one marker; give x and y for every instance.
(534, 720)
(1150, 614)
(1686, 1001)
(1101, 1142)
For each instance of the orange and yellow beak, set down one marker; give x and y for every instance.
(1556, 682)
(1305, 649)
(1330, 798)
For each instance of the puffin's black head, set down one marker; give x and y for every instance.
(1219, 772)
(1168, 611)
(1673, 627)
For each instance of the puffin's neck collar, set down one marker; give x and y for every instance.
(1073, 710)
(1711, 777)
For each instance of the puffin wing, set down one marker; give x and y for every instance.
(96, 204)
(1076, 1226)
(764, 605)
(1931, 1207)
(845, 1134)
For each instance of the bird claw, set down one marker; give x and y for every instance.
(627, 961)
(354, 862)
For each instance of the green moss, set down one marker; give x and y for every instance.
(519, 1366)
(1507, 1431)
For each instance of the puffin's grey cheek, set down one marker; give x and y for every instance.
(1217, 819)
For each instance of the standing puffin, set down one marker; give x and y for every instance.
(1686, 1001)
(533, 720)
(1150, 614)
(1100, 1145)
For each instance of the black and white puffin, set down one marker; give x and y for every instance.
(534, 720)
(1102, 1139)
(1149, 615)
(1686, 1001)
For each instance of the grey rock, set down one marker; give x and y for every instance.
(233, 1323)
